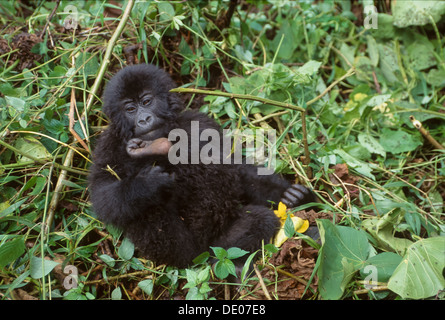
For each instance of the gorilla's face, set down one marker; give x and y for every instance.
(143, 112)
(138, 102)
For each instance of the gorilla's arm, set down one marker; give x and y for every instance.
(121, 201)
(120, 196)
(263, 189)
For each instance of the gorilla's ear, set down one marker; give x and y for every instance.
(174, 102)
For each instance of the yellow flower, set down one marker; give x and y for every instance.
(300, 225)
(281, 212)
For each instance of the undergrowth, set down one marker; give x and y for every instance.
(378, 178)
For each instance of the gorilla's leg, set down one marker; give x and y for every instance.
(255, 225)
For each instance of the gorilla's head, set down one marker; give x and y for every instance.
(138, 102)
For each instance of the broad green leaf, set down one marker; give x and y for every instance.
(382, 229)
(41, 267)
(31, 146)
(436, 77)
(16, 103)
(384, 263)
(192, 278)
(421, 53)
(420, 274)
(146, 286)
(386, 29)
(203, 257)
(107, 259)
(233, 253)
(10, 209)
(220, 253)
(388, 63)
(309, 68)
(126, 250)
(204, 275)
(223, 268)
(166, 11)
(371, 144)
(116, 294)
(399, 141)
(417, 13)
(11, 251)
(343, 252)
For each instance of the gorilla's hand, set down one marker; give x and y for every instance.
(138, 148)
(297, 194)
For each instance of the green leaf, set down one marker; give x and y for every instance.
(31, 146)
(40, 268)
(358, 165)
(373, 50)
(10, 209)
(382, 229)
(399, 141)
(223, 268)
(16, 103)
(371, 144)
(289, 229)
(385, 263)
(420, 274)
(107, 259)
(146, 286)
(203, 275)
(116, 294)
(126, 250)
(203, 257)
(247, 265)
(166, 11)
(192, 278)
(416, 13)
(343, 252)
(11, 251)
(220, 253)
(233, 253)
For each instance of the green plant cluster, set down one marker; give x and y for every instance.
(359, 87)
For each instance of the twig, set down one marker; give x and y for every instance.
(71, 121)
(49, 19)
(349, 73)
(263, 285)
(118, 277)
(425, 133)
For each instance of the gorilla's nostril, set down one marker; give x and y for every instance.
(145, 121)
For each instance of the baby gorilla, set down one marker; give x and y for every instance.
(174, 212)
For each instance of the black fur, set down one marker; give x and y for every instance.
(173, 213)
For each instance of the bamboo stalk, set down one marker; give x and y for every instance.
(107, 55)
(425, 133)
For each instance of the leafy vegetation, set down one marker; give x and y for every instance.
(375, 115)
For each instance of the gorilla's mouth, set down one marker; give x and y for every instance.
(151, 135)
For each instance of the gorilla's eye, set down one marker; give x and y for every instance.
(130, 108)
(146, 101)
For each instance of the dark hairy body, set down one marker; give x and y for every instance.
(174, 212)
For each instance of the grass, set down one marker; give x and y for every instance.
(375, 174)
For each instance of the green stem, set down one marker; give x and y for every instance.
(239, 96)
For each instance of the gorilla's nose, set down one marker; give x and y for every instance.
(144, 121)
